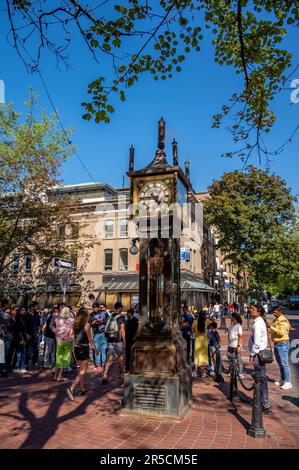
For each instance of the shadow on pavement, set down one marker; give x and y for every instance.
(240, 399)
(293, 400)
(42, 428)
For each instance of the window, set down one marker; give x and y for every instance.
(28, 262)
(75, 231)
(123, 228)
(61, 231)
(123, 259)
(108, 260)
(74, 259)
(109, 229)
(15, 265)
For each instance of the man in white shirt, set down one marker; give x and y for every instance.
(217, 310)
(258, 341)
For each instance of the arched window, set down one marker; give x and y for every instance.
(75, 231)
(123, 259)
(108, 260)
(109, 229)
(123, 228)
(28, 262)
(15, 265)
(61, 231)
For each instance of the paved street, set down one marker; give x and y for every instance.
(35, 413)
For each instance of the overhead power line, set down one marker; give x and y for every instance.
(62, 126)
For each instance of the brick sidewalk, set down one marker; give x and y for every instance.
(35, 413)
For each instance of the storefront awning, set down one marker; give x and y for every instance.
(193, 283)
(131, 283)
(120, 283)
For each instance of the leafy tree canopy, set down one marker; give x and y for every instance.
(254, 214)
(155, 37)
(31, 153)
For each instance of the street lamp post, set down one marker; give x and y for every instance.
(221, 275)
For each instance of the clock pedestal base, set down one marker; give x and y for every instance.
(160, 382)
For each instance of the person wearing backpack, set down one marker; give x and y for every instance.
(116, 337)
(98, 320)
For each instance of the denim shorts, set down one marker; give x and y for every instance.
(116, 349)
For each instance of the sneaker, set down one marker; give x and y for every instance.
(267, 411)
(69, 394)
(16, 370)
(286, 386)
(96, 369)
(279, 383)
(22, 371)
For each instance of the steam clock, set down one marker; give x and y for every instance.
(159, 381)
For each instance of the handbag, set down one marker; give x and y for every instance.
(266, 355)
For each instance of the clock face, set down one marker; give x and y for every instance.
(154, 194)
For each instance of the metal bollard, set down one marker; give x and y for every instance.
(256, 428)
(233, 384)
(218, 366)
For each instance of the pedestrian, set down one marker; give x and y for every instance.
(82, 340)
(136, 311)
(217, 310)
(258, 342)
(131, 327)
(186, 321)
(230, 308)
(116, 336)
(11, 354)
(235, 333)
(225, 309)
(33, 328)
(62, 326)
(98, 319)
(49, 339)
(5, 334)
(279, 330)
(214, 341)
(20, 338)
(201, 359)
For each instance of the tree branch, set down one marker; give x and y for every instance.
(241, 39)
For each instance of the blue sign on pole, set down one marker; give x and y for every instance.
(185, 254)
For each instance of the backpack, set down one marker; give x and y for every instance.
(112, 328)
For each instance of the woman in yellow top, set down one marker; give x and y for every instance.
(201, 359)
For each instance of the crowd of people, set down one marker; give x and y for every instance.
(199, 329)
(64, 339)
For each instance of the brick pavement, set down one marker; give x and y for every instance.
(35, 413)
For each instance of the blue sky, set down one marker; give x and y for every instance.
(187, 103)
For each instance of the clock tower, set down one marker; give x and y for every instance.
(159, 382)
